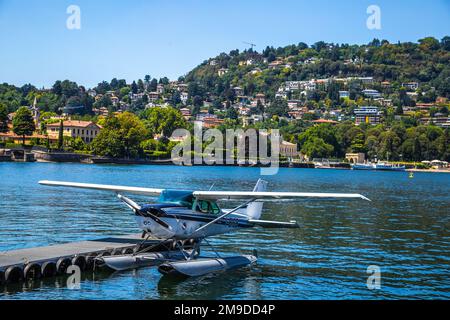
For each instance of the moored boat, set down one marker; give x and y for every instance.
(363, 166)
(382, 166)
(389, 167)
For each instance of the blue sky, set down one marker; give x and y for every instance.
(128, 39)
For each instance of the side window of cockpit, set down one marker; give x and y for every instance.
(215, 208)
(203, 206)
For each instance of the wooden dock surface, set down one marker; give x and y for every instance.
(52, 253)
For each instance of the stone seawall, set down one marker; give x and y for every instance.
(4, 158)
(61, 157)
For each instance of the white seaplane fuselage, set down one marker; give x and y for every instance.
(182, 222)
(194, 214)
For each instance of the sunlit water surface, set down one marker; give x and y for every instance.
(405, 231)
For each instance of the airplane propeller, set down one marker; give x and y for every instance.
(137, 209)
(130, 203)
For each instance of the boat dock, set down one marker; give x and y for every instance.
(42, 262)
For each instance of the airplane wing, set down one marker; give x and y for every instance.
(267, 196)
(133, 190)
(208, 195)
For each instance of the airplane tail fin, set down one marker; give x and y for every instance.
(254, 209)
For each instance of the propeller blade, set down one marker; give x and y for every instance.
(158, 220)
(130, 203)
(137, 208)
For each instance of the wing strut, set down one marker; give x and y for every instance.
(222, 216)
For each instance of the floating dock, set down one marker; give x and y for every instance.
(42, 262)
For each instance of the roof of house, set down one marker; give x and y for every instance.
(74, 123)
(324, 121)
(286, 143)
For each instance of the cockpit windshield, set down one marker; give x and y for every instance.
(205, 206)
(184, 198)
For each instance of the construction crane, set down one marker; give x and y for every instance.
(251, 44)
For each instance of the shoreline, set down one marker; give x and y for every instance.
(63, 157)
(299, 166)
(429, 170)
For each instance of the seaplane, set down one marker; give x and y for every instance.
(187, 218)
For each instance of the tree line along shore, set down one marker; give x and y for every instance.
(313, 94)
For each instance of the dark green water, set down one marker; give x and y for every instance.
(405, 231)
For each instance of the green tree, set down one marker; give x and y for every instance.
(279, 107)
(317, 148)
(61, 135)
(3, 118)
(23, 123)
(163, 120)
(134, 87)
(104, 101)
(124, 91)
(121, 136)
(76, 144)
(357, 144)
(443, 145)
(323, 132)
(429, 43)
(389, 145)
(141, 85)
(231, 113)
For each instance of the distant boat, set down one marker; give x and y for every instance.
(363, 166)
(389, 167)
(383, 166)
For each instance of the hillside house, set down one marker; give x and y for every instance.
(86, 130)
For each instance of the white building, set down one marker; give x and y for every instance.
(369, 115)
(184, 96)
(371, 93)
(292, 85)
(412, 86)
(160, 88)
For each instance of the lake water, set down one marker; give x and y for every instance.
(405, 231)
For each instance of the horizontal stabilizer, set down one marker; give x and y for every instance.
(274, 224)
